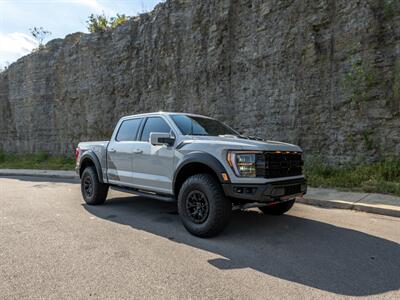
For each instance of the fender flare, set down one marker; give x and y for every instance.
(203, 158)
(93, 158)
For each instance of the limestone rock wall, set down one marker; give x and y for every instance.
(324, 74)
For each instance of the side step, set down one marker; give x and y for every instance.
(137, 192)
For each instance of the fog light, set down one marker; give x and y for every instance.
(239, 190)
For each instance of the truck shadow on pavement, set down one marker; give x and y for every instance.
(309, 252)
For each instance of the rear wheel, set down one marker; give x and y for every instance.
(277, 209)
(93, 191)
(202, 205)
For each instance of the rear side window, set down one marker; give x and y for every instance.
(156, 124)
(128, 130)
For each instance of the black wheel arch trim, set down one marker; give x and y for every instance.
(93, 157)
(205, 159)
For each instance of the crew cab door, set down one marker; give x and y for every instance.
(120, 152)
(153, 165)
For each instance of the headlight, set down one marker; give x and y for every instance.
(243, 163)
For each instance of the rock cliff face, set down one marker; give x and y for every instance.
(322, 74)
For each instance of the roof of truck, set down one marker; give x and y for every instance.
(164, 113)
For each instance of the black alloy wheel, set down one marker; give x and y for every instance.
(88, 186)
(197, 206)
(202, 205)
(93, 191)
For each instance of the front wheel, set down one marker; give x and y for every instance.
(93, 191)
(202, 205)
(277, 209)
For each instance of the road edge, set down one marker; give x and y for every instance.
(39, 173)
(341, 204)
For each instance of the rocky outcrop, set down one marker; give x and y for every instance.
(322, 74)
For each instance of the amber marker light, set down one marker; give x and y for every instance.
(225, 176)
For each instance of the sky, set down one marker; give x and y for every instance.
(60, 17)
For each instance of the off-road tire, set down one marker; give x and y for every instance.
(97, 194)
(219, 207)
(277, 209)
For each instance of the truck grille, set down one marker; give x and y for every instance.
(279, 164)
(292, 189)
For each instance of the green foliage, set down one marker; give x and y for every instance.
(389, 8)
(367, 140)
(100, 23)
(359, 80)
(118, 20)
(350, 141)
(41, 157)
(378, 177)
(39, 34)
(35, 161)
(396, 82)
(97, 23)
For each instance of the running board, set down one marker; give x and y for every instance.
(142, 193)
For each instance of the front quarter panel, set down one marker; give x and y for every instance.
(212, 151)
(219, 150)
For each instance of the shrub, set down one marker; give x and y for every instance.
(118, 20)
(97, 23)
(380, 177)
(39, 34)
(100, 23)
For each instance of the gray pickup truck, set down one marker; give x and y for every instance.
(204, 165)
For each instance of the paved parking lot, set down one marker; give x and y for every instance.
(54, 246)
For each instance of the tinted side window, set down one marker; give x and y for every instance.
(154, 125)
(128, 130)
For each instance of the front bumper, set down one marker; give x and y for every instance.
(279, 190)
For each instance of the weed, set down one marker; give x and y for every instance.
(389, 9)
(358, 81)
(380, 177)
(367, 140)
(41, 160)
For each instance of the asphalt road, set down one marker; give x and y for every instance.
(54, 246)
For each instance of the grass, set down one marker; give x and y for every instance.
(379, 177)
(35, 161)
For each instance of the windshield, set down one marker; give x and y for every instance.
(191, 125)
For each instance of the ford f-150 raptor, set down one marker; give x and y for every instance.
(206, 166)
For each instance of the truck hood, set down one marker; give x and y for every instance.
(245, 144)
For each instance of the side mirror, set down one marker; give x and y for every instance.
(161, 138)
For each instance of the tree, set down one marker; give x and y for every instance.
(39, 34)
(99, 23)
(118, 20)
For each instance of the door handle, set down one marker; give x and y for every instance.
(112, 150)
(138, 151)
